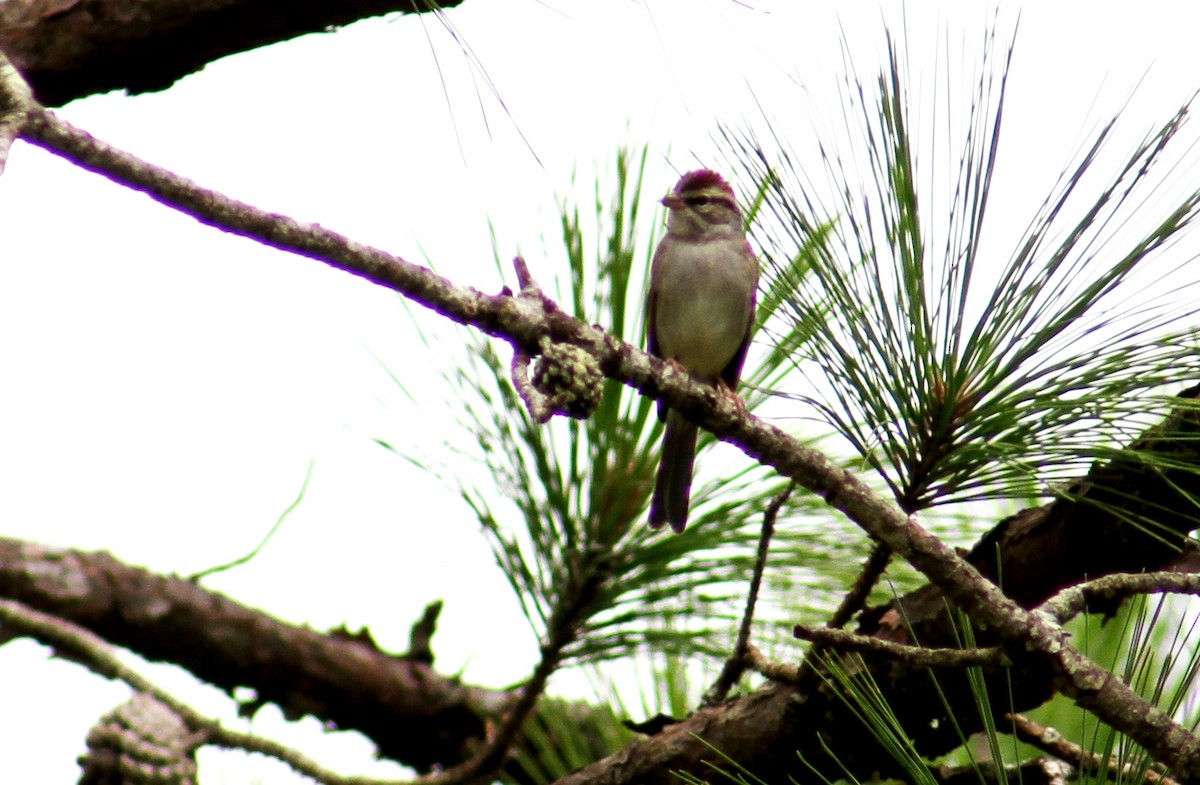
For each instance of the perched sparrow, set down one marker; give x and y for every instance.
(700, 312)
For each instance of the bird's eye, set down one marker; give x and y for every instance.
(697, 201)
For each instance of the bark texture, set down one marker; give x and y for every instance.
(67, 49)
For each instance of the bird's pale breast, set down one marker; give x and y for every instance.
(704, 295)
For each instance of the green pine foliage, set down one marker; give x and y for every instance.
(957, 377)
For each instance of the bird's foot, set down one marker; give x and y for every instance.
(677, 366)
(725, 391)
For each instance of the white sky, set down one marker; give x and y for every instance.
(166, 385)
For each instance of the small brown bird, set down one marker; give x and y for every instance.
(703, 284)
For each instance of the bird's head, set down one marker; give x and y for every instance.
(702, 205)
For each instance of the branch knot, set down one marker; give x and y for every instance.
(570, 378)
(141, 741)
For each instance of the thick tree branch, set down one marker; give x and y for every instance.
(413, 714)
(71, 48)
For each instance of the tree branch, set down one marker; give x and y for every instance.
(15, 100)
(1088, 763)
(71, 49)
(411, 713)
(911, 656)
(1072, 601)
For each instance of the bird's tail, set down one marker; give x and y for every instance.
(673, 487)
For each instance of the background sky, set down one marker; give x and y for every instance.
(166, 385)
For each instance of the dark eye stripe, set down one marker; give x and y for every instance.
(702, 199)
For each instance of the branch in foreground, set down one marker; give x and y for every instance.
(69, 50)
(524, 321)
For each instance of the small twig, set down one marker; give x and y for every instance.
(524, 277)
(735, 666)
(786, 672)
(283, 516)
(423, 628)
(876, 563)
(854, 600)
(1047, 771)
(15, 101)
(541, 405)
(914, 656)
(1050, 741)
(236, 740)
(1070, 602)
(538, 404)
(80, 645)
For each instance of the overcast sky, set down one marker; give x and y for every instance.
(167, 385)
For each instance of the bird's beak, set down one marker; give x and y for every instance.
(672, 201)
